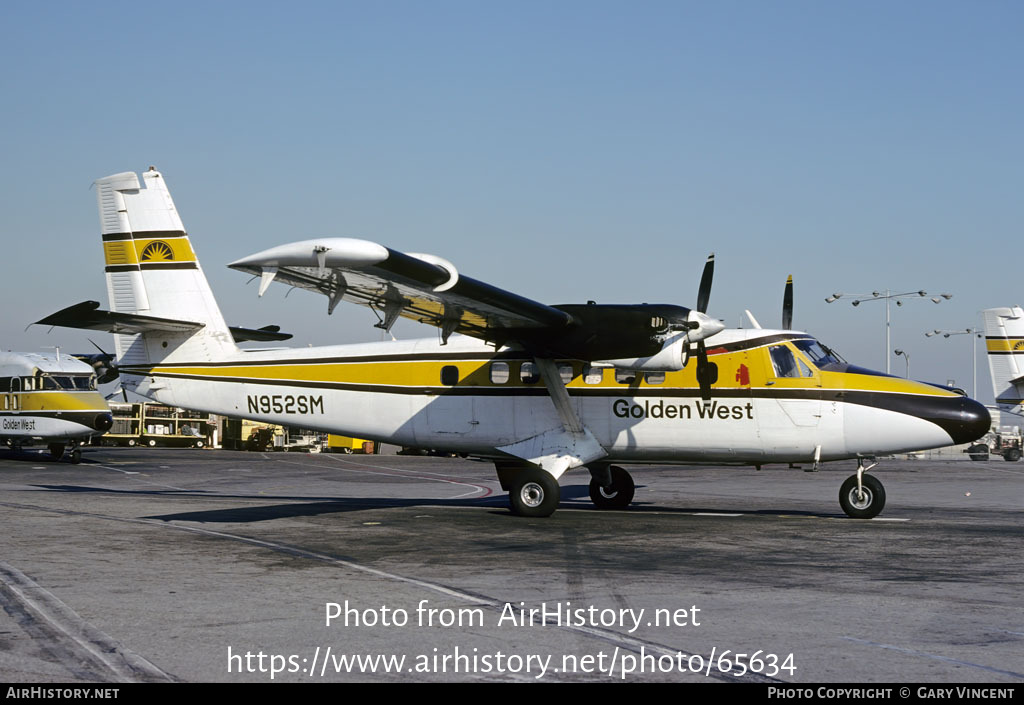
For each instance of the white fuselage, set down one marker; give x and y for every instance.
(393, 392)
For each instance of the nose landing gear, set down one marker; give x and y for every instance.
(862, 496)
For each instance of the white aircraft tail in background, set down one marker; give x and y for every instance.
(1004, 339)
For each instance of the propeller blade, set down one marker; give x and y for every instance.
(707, 372)
(704, 292)
(787, 305)
(106, 363)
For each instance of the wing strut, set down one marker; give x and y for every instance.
(561, 448)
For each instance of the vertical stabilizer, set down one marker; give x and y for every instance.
(151, 269)
(1004, 340)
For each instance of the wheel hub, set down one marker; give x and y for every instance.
(532, 494)
(860, 499)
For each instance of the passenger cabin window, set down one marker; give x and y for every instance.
(5, 384)
(625, 376)
(565, 372)
(654, 377)
(499, 372)
(528, 373)
(593, 375)
(449, 375)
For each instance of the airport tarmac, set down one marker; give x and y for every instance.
(220, 566)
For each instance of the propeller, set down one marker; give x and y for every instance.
(106, 362)
(106, 368)
(787, 305)
(707, 374)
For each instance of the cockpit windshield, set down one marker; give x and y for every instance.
(819, 354)
(68, 382)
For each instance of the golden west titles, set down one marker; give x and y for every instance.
(624, 409)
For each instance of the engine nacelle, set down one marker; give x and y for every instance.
(671, 358)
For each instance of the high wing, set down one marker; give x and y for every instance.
(420, 287)
(430, 290)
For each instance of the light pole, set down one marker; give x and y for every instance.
(887, 297)
(907, 356)
(974, 352)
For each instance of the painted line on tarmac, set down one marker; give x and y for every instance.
(936, 657)
(148, 482)
(399, 472)
(92, 644)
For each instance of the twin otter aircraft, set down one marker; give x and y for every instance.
(537, 389)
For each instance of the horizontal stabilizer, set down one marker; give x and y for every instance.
(88, 316)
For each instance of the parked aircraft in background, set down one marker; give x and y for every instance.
(1004, 339)
(50, 399)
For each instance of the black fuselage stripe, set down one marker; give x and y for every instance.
(894, 401)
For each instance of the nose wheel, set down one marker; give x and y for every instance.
(862, 496)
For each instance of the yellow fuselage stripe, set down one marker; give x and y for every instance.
(477, 373)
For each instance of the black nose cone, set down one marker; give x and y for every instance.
(103, 422)
(972, 423)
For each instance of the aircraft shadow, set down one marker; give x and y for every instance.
(305, 506)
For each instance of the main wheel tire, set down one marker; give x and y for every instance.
(866, 507)
(534, 493)
(132, 442)
(1013, 455)
(76, 456)
(56, 450)
(151, 442)
(618, 495)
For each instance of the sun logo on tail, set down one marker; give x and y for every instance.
(157, 251)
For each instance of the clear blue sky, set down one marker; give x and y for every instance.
(563, 150)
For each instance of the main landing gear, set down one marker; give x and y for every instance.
(57, 452)
(611, 487)
(533, 492)
(862, 496)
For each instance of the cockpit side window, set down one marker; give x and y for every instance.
(787, 364)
